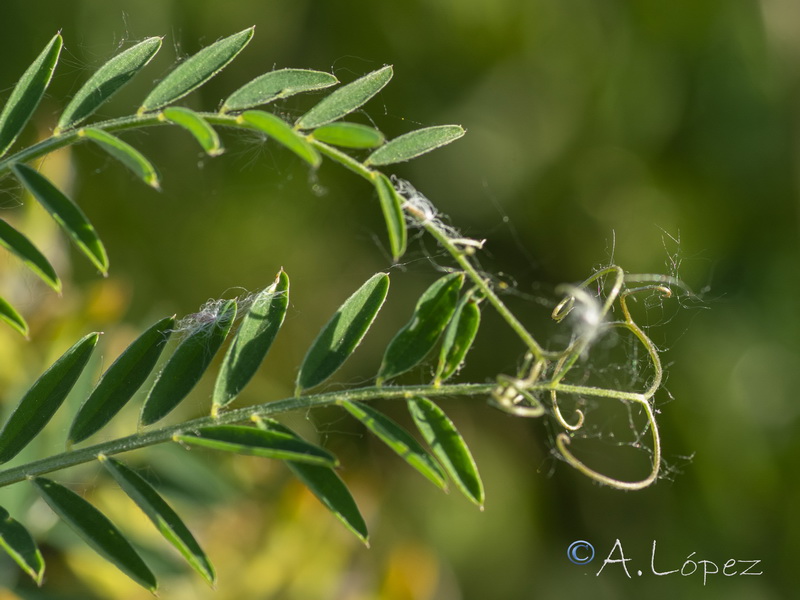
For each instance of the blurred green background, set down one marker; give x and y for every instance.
(662, 136)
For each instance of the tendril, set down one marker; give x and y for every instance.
(563, 441)
(512, 394)
(518, 395)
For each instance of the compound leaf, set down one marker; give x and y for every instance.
(349, 135)
(399, 440)
(28, 92)
(187, 365)
(66, 213)
(346, 99)
(277, 84)
(253, 340)
(14, 241)
(192, 122)
(342, 334)
(196, 70)
(166, 520)
(120, 381)
(281, 132)
(415, 340)
(124, 153)
(106, 81)
(458, 338)
(96, 530)
(448, 446)
(392, 208)
(43, 399)
(327, 486)
(414, 143)
(258, 442)
(18, 542)
(10, 315)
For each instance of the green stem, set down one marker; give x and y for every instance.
(71, 458)
(587, 390)
(343, 159)
(69, 137)
(462, 260)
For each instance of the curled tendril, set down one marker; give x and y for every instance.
(563, 441)
(513, 394)
(518, 395)
(554, 398)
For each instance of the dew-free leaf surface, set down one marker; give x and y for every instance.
(43, 399)
(196, 70)
(66, 213)
(346, 99)
(276, 84)
(27, 93)
(107, 81)
(342, 334)
(96, 530)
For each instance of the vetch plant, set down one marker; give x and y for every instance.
(447, 316)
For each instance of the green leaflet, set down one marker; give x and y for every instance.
(187, 365)
(252, 341)
(27, 94)
(458, 338)
(281, 132)
(416, 339)
(258, 442)
(120, 381)
(342, 334)
(19, 544)
(192, 122)
(326, 485)
(17, 243)
(448, 446)
(414, 143)
(66, 213)
(196, 70)
(349, 135)
(96, 530)
(392, 208)
(346, 99)
(124, 153)
(166, 520)
(106, 81)
(10, 315)
(274, 85)
(42, 400)
(399, 440)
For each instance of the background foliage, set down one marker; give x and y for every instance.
(588, 122)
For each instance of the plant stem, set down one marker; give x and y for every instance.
(143, 439)
(462, 260)
(69, 137)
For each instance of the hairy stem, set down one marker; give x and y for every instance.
(463, 261)
(71, 136)
(143, 439)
